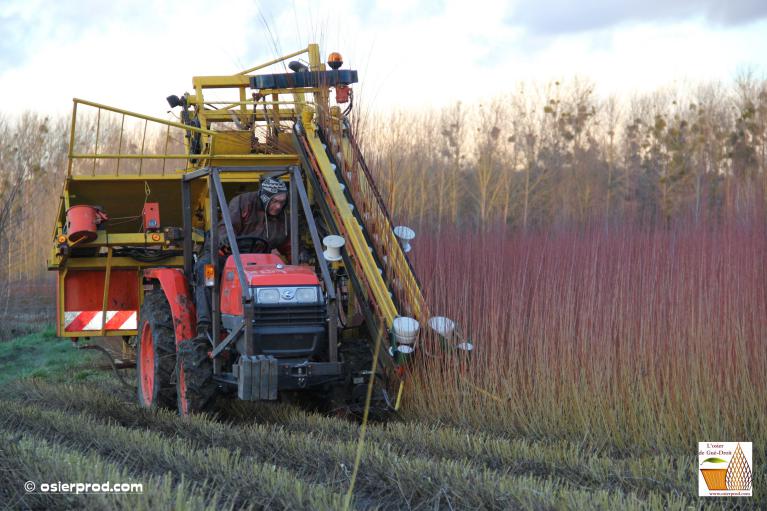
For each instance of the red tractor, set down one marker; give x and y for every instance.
(278, 332)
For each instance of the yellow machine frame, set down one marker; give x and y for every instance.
(220, 148)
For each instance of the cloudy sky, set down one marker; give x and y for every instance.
(409, 53)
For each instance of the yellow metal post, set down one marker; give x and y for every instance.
(165, 151)
(399, 395)
(105, 300)
(60, 324)
(275, 61)
(143, 143)
(120, 145)
(72, 137)
(96, 146)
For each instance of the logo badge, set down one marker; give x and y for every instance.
(724, 469)
(288, 294)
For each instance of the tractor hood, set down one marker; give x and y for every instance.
(268, 270)
(262, 271)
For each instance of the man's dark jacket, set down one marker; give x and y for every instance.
(250, 219)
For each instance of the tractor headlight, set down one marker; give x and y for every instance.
(306, 295)
(268, 295)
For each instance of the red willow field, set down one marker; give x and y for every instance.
(633, 340)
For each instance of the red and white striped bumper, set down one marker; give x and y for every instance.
(83, 321)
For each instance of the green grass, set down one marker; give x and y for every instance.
(44, 356)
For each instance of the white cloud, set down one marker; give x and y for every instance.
(408, 55)
(566, 16)
(640, 58)
(123, 62)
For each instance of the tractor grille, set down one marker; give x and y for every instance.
(294, 314)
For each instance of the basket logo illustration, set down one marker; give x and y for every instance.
(725, 469)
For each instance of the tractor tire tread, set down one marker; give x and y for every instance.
(156, 310)
(201, 389)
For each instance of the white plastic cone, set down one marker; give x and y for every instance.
(405, 235)
(443, 326)
(405, 330)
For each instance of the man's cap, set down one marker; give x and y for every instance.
(269, 188)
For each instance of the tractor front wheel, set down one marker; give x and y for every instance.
(195, 388)
(155, 353)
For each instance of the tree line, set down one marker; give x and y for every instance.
(559, 156)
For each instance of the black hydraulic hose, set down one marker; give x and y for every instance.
(147, 256)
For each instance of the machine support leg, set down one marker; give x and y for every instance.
(186, 210)
(330, 289)
(247, 300)
(105, 299)
(230, 236)
(216, 291)
(294, 206)
(333, 331)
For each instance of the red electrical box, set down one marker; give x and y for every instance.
(342, 94)
(151, 215)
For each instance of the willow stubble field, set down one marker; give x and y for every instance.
(602, 358)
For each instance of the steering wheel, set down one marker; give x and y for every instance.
(254, 244)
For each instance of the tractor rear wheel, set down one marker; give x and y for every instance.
(195, 388)
(155, 353)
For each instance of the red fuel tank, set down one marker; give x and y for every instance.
(82, 223)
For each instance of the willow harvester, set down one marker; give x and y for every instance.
(143, 194)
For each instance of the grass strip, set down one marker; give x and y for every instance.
(252, 482)
(32, 458)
